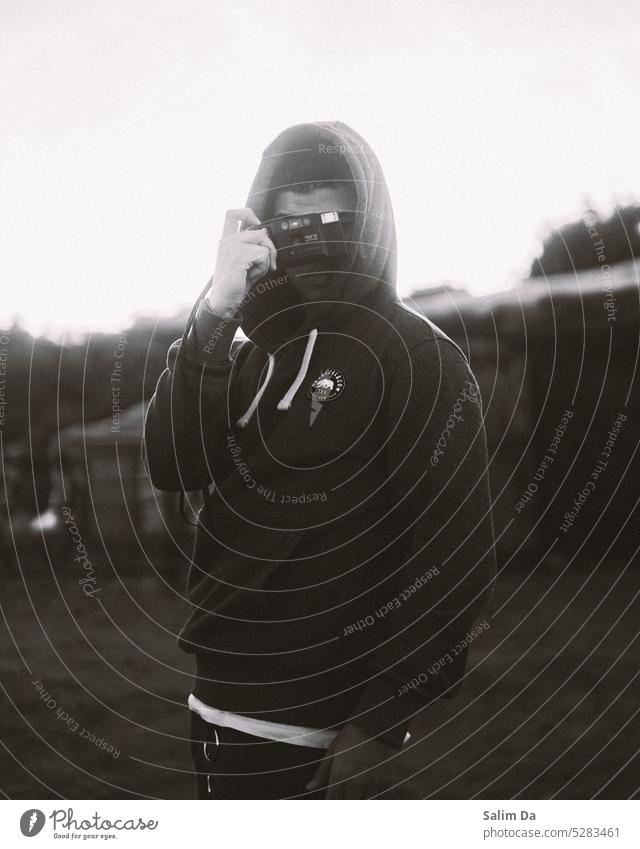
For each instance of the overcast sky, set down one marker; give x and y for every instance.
(129, 127)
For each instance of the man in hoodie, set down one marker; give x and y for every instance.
(344, 549)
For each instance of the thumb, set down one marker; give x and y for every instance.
(323, 773)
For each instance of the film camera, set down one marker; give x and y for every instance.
(312, 236)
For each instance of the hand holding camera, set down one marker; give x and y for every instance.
(244, 256)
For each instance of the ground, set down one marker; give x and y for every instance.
(547, 709)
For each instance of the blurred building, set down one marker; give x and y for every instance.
(98, 473)
(561, 348)
(567, 342)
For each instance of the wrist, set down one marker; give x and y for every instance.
(225, 311)
(383, 714)
(212, 333)
(224, 307)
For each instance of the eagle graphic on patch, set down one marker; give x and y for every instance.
(327, 387)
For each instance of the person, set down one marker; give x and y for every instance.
(344, 548)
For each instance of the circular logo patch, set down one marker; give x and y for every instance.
(328, 386)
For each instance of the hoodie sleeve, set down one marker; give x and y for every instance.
(438, 487)
(188, 410)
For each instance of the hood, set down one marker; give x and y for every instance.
(273, 312)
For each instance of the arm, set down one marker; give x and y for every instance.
(188, 410)
(439, 490)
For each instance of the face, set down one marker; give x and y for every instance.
(309, 283)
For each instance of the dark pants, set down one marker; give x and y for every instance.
(231, 765)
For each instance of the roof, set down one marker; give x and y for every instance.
(535, 295)
(127, 429)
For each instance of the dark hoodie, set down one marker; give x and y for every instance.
(345, 545)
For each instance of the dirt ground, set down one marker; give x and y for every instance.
(94, 691)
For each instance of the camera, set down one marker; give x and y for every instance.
(309, 237)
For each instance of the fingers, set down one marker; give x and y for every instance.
(245, 217)
(325, 777)
(357, 789)
(257, 262)
(259, 237)
(273, 253)
(252, 237)
(323, 773)
(336, 791)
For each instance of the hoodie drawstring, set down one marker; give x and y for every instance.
(243, 421)
(287, 399)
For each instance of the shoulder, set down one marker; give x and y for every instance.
(425, 365)
(421, 341)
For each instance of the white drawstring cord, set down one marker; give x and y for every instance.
(243, 421)
(286, 400)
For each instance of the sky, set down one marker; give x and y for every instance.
(129, 127)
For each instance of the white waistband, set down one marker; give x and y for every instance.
(297, 735)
